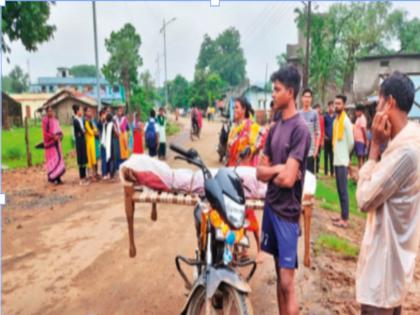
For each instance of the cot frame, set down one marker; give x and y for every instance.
(137, 194)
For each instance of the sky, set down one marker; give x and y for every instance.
(266, 27)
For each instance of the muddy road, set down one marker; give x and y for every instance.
(65, 251)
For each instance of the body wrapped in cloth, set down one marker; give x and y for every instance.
(149, 180)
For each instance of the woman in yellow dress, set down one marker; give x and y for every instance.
(91, 132)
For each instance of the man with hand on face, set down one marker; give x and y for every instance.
(283, 167)
(312, 121)
(389, 191)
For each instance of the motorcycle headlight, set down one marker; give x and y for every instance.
(235, 212)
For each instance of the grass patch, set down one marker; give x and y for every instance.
(327, 194)
(172, 128)
(337, 244)
(14, 148)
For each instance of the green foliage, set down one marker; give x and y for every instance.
(337, 244)
(282, 60)
(81, 71)
(14, 152)
(17, 81)
(123, 48)
(6, 84)
(144, 96)
(348, 31)
(179, 91)
(172, 128)
(223, 56)
(27, 22)
(206, 89)
(407, 32)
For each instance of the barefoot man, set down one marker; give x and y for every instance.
(283, 167)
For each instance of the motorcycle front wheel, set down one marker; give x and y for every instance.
(226, 301)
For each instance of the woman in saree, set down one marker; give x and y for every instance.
(243, 136)
(53, 136)
(137, 128)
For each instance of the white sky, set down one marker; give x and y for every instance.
(266, 27)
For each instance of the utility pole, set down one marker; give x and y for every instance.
(95, 35)
(308, 39)
(157, 71)
(163, 30)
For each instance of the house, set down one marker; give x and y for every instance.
(86, 85)
(32, 100)
(11, 112)
(371, 71)
(260, 101)
(62, 103)
(258, 97)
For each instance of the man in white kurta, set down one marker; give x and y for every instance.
(389, 191)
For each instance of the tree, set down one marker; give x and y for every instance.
(339, 37)
(16, 82)
(206, 88)
(179, 91)
(6, 84)
(123, 47)
(27, 22)
(223, 56)
(81, 71)
(405, 31)
(144, 95)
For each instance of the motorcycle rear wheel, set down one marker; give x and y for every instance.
(226, 301)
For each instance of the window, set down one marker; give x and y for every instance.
(116, 89)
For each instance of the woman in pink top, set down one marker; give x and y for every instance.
(360, 138)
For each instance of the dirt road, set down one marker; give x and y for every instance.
(65, 251)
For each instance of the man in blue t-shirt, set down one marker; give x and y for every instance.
(283, 167)
(328, 147)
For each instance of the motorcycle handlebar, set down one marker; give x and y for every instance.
(178, 150)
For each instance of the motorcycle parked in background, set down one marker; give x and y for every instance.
(223, 141)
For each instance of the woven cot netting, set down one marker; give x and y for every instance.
(149, 196)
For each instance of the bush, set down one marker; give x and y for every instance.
(14, 154)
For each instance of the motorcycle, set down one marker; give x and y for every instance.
(223, 140)
(220, 229)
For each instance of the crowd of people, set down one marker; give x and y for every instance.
(107, 140)
(388, 188)
(388, 156)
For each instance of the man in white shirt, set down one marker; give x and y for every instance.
(389, 191)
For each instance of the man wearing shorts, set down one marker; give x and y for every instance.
(283, 167)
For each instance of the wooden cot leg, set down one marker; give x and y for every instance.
(307, 216)
(153, 215)
(129, 212)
